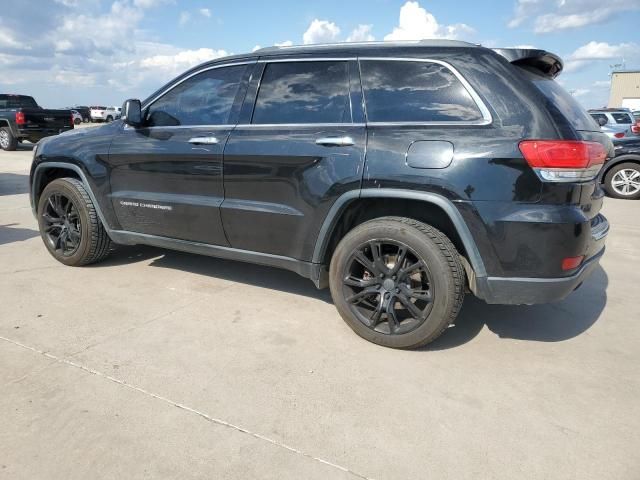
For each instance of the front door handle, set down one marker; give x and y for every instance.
(335, 141)
(204, 140)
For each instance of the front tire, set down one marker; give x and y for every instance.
(77, 121)
(7, 141)
(623, 181)
(397, 282)
(109, 119)
(69, 224)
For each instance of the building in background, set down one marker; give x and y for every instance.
(625, 89)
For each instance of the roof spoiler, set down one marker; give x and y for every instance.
(547, 63)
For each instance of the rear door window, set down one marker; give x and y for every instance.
(415, 91)
(303, 92)
(623, 118)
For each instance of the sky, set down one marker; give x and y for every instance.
(87, 52)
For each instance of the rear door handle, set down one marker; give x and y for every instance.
(204, 140)
(335, 141)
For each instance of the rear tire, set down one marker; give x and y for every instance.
(623, 181)
(69, 224)
(402, 300)
(7, 141)
(109, 119)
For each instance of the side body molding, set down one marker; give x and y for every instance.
(313, 270)
(449, 208)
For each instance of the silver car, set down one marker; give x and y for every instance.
(616, 123)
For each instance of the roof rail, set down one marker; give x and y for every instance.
(395, 43)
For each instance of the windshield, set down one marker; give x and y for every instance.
(17, 101)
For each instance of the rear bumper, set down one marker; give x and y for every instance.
(529, 291)
(39, 133)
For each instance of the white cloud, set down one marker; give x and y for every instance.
(184, 18)
(580, 92)
(362, 33)
(182, 60)
(286, 43)
(321, 31)
(416, 23)
(598, 51)
(69, 51)
(140, 3)
(205, 12)
(553, 15)
(602, 84)
(7, 40)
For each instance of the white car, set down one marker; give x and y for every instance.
(77, 118)
(105, 114)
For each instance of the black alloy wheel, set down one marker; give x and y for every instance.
(388, 287)
(396, 281)
(62, 225)
(69, 224)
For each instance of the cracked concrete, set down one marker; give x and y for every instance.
(160, 364)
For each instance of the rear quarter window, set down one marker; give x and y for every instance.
(415, 91)
(623, 118)
(559, 102)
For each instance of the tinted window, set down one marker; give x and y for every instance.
(561, 102)
(205, 99)
(304, 92)
(398, 91)
(600, 116)
(17, 101)
(622, 117)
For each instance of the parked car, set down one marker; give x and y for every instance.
(97, 113)
(620, 175)
(105, 114)
(84, 111)
(616, 123)
(77, 117)
(21, 118)
(398, 174)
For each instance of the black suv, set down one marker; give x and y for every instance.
(399, 174)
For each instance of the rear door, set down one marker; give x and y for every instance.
(293, 155)
(166, 177)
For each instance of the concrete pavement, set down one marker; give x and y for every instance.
(158, 364)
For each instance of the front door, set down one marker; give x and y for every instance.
(166, 177)
(300, 148)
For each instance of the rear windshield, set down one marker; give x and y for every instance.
(17, 101)
(559, 101)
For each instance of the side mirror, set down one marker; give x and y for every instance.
(132, 112)
(602, 121)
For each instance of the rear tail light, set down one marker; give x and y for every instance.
(564, 160)
(570, 263)
(619, 134)
(20, 120)
(635, 128)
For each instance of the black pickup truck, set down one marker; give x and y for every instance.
(22, 119)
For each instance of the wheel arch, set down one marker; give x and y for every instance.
(353, 208)
(6, 123)
(627, 158)
(46, 172)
